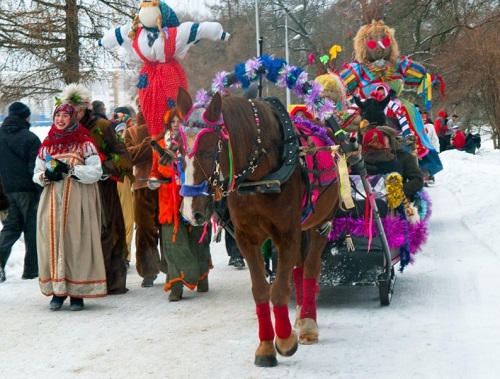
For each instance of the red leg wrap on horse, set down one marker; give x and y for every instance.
(298, 274)
(308, 309)
(283, 325)
(266, 331)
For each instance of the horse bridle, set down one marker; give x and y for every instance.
(215, 181)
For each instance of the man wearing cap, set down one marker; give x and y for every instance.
(19, 148)
(457, 138)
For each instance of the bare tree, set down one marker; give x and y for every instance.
(49, 43)
(472, 63)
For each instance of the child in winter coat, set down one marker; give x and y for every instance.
(457, 138)
(70, 255)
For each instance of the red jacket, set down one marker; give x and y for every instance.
(168, 193)
(458, 140)
(440, 123)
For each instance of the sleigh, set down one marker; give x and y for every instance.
(368, 241)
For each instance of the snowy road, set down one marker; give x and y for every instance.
(442, 323)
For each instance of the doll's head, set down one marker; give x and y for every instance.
(375, 42)
(154, 14)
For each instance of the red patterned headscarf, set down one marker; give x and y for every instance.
(64, 140)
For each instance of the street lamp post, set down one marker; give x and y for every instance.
(259, 42)
(257, 26)
(287, 58)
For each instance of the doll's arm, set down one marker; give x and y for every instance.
(189, 33)
(349, 77)
(116, 37)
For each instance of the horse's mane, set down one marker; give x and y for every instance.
(240, 123)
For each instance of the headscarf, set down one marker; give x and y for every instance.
(59, 141)
(373, 140)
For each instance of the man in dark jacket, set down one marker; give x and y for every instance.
(19, 149)
(4, 203)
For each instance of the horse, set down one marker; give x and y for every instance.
(228, 147)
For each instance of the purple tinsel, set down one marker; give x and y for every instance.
(315, 129)
(251, 67)
(312, 97)
(394, 228)
(202, 99)
(285, 70)
(298, 89)
(327, 109)
(219, 82)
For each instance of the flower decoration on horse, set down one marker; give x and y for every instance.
(157, 38)
(378, 65)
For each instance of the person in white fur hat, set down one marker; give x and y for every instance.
(156, 36)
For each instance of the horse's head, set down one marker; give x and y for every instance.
(202, 143)
(372, 110)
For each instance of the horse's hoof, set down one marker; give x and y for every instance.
(265, 356)
(265, 361)
(308, 331)
(288, 346)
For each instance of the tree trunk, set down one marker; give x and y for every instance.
(71, 70)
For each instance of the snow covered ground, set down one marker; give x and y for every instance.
(443, 321)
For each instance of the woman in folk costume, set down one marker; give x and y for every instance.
(70, 255)
(185, 247)
(116, 164)
(378, 65)
(158, 39)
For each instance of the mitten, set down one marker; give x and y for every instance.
(61, 167)
(53, 176)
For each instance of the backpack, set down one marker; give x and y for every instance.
(472, 143)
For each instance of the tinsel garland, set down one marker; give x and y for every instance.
(394, 228)
(279, 72)
(394, 186)
(318, 131)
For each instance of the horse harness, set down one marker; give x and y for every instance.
(271, 183)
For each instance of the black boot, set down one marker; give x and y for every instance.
(239, 262)
(148, 281)
(75, 303)
(57, 302)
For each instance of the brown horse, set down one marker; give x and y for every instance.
(234, 138)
